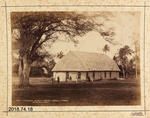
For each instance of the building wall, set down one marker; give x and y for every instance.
(90, 74)
(83, 75)
(102, 75)
(99, 75)
(115, 74)
(107, 75)
(61, 75)
(74, 75)
(112, 75)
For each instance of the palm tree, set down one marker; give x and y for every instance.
(60, 54)
(106, 49)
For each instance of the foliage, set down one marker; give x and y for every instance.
(125, 64)
(36, 28)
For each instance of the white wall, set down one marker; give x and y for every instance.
(90, 74)
(61, 75)
(99, 75)
(83, 75)
(107, 75)
(74, 75)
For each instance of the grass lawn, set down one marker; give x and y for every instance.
(105, 92)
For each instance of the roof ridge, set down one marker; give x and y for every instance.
(74, 51)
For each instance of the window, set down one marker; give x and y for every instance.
(79, 75)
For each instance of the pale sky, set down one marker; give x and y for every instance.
(126, 26)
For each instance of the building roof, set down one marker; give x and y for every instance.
(85, 61)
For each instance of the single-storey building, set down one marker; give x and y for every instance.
(78, 66)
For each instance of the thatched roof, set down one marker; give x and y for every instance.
(85, 61)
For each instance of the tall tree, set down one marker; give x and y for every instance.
(34, 29)
(122, 59)
(106, 49)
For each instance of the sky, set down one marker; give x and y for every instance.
(126, 27)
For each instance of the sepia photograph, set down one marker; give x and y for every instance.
(76, 58)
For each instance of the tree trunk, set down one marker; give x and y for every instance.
(136, 71)
(20, 71)
(24, 71)
(123, 73)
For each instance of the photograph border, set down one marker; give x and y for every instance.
(144, 35)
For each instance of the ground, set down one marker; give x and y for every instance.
(104, 92)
